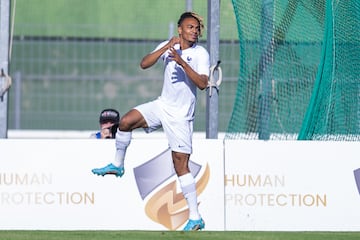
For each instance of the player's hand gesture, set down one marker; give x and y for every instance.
(174, 55)
(173, 41)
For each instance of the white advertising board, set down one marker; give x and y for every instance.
(292, 186)
(48, 185)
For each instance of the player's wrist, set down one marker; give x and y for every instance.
(182, 63)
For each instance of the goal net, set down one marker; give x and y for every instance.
(299, 70)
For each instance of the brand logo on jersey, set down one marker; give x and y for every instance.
(189, 59)
(166, 205)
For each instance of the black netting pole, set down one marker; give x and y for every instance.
(265, 68)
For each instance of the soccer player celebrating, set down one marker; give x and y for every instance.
(186, 69)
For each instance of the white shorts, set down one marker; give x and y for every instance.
(178, 130)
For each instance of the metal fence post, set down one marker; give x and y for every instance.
(4, 62)
(212, 104)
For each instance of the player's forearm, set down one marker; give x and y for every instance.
(151, 58)
(201, 81)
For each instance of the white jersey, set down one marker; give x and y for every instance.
(179, 92)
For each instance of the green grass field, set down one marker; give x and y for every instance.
(159, 235)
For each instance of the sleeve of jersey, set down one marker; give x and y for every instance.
(160, 46)
(203, 66)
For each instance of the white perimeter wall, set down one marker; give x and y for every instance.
(242, 185)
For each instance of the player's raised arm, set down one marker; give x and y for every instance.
(151, 58)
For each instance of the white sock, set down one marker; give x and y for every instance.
(188, 187)
(122, 141)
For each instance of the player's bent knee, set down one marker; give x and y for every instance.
(180, 161)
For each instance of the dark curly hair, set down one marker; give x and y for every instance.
(192, 15)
